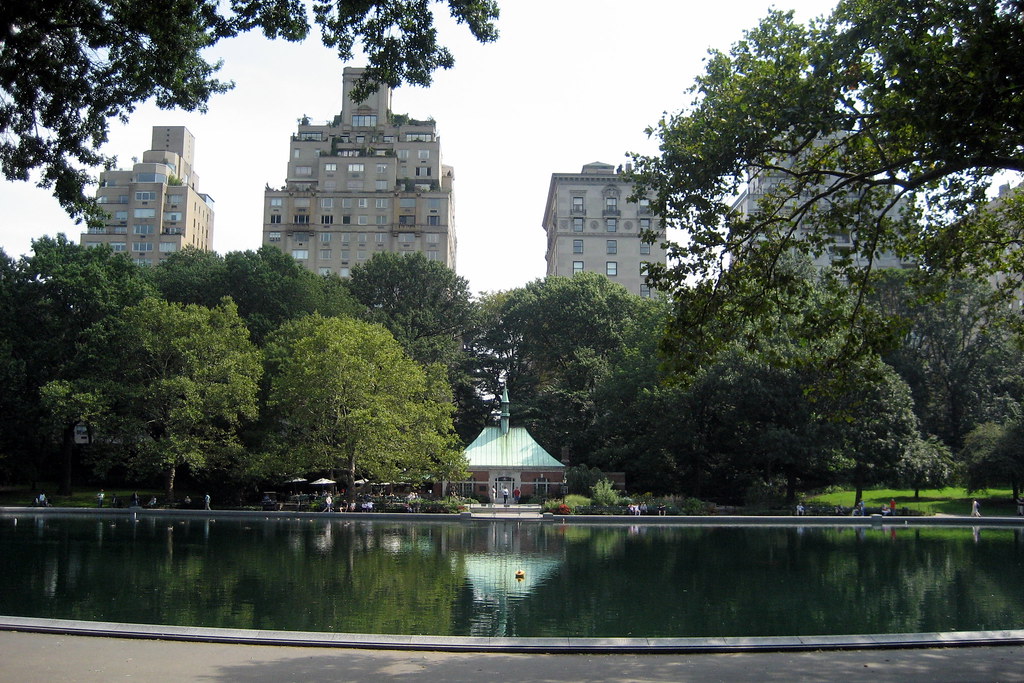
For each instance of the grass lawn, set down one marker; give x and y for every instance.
(83, 498)
(947, 501)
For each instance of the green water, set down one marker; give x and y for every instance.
(458, 578)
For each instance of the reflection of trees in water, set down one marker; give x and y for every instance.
(458, 578)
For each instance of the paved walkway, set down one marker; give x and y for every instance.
(29, 657)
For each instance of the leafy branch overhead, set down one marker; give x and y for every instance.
(66, 69)
(884, 124)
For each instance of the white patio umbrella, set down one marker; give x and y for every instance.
(321, 482)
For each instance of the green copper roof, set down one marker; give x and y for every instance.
(494, 450)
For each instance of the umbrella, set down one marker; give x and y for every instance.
(321, 482)
(296, 480)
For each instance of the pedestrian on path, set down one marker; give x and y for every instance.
(975, 509)
(99, 498)
(206, 502)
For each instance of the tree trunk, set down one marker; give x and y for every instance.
(169, 483)
(350, 481)
(67, 453)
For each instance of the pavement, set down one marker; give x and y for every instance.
(31, 657)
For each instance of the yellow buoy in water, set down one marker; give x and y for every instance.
(520, 574)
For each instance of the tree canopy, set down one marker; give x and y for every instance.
(66, 69)
(885, 122)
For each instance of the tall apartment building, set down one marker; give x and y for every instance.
(369, 181)
(592, 227)
(155, 208)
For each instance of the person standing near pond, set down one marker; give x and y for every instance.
(1020, 505)
(975, 509)
(206, 502)
(99, 498)
(515, 495)
(504, 494)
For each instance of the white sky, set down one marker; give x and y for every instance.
(567, 82)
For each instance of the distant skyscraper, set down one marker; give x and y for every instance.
(592, 227)
(155, 208)
(369, 181)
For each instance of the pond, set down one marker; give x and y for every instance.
(459, 578)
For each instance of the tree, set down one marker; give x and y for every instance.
(347, 397)
(993, 454)
(67, 69)
(188, 376)
(53, 299)
(888, 121)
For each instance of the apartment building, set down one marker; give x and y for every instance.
(155, 209)
(593, 227)
(370, 181)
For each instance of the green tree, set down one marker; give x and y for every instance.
(52, 299)
(347, 397)
(268, 286)
(188, 377)
(993, 455)
(887, 120)
(927, 463)
(67, 69)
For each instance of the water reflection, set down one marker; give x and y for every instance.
(452, 578)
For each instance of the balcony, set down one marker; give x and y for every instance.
(611, 212)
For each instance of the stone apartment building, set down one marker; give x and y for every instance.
(369, 181)
(593, 227)
(155, 208)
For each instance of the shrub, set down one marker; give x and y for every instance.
(604, 495)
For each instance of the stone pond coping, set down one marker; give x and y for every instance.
(532, 645)
(566, 645)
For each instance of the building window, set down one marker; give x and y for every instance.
(310, 135)
(360, 255)
(300, 254)
(423, 171)
(344, 272)
(407, 202)
(299, 236)
(380, 185)
(168, 247)
(364, 120)
(142, 229)
(433, 220)
(150, 178)
(354, 185)
(577, 225)
(355, 168)
(645, 291)
(144, 213)
(346, 220)
(142, 246)
(120, 215)
(173, 216)
(144, 196)
(611, 268)
(143, 261)
(407, 220)
(119, 246)
(345, 236)
(326, 203)
(301, 202)
(577, 205)
(433, 255)
(418, 137)
(326, 220)
(611, 247)
(361, 237)
(350, 152)
(381, 203)
(362, 220)
(645, 249)
(324, 270)
(345, 254)
(363, 202)
(330, 167)
(612, 224)
(273, 237)
(275, 218)
(423, 153)
(325, 237)
(403, 154)
(382, 220)
(303, 170)
(433, 238)
(301, 218)
(577, 246)
(577, 267)
(325, 254)
(405, 237)
(276, 201)
(382, 169)
(381, 237)
(645, 223)
(611, 203)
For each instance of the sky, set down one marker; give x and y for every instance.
(568, 82)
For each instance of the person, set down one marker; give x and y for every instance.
(892, 506)
(329, 503)
(494, 493)
(41, 500)
(135, 499)
(661, 509)
(152, 502)
(975, 509)
(504, 494)
(800, 509)
(99, 498)
(1020, 505)
(516, 493)
(643, 508)
(188, 501)
(206, 502)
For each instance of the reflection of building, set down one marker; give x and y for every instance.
(592, 227)
(369, 181)
(154, 209)
(508, 457)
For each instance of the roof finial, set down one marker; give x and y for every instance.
(504, 410)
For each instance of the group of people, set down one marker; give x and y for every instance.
(635, 509)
